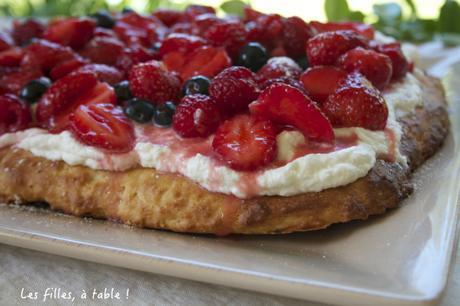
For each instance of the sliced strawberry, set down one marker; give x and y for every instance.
(14, 114)
(104, 73)
(44, 55)
(24, 30)
(203, 22)
(62, 98)
(152, 82)
(360, 28)
(103, 32)
(185, 28)
(167, 16)
(11, 57)
(376, 67)
(321, 81)
(72, 32)
(67, 67)
(267, 30)
(101, 93)
(251, 14)
(325, 48)
(229, 34)
(296, 34)
(245, 143)
(103, 126)
(193, 11)
(287, 105)
(133, 56)
(6, 41)
(398, 60)
(196, 116)
(180, 42)
(103, 50)
(135, 29)
(206, 61)
(357, 104)
(174, 61)
(14, 80)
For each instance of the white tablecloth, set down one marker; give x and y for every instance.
(35, 271)
(29, 271)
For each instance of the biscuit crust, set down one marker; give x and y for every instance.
(148, 198)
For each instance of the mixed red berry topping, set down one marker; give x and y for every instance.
(237, 81)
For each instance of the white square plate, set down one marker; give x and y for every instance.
(400, 258)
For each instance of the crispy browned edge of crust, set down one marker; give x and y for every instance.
(147, 198)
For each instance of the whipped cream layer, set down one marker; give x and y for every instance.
(300, 166)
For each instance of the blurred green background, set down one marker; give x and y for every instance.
(412, 20)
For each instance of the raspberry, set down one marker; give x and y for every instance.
(233, 89)
(357, 104)
(230, 34)
(374, 66)
(325, 48)
(321, 81)
(278, 67)
(287, 105)
(398, 60)
(245, 143)
(296, 34)
(196, 116)
(150, 81)
(14, 114)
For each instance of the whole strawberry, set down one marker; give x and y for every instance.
(376, 67)
(150, 81)
(325, 48)
(356, 103)
(398, 60)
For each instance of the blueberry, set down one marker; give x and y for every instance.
(122, 91)
(103, 19)
(127, 10)
(303, 62)
(33, 90)
(197, 85)
(139, 110)
(253, 56)
(163, 116)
